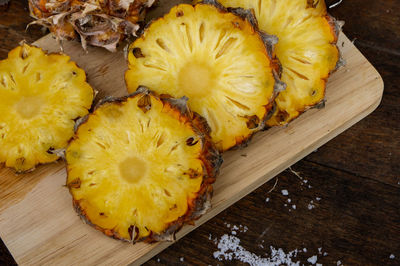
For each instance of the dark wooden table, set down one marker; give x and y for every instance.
(350, 205)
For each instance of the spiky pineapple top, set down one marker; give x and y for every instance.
(41, 96)
(306, 49)
(141, 166)
(103, 23)
(214, 57)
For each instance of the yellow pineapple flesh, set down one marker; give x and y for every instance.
(215, 58)
(141, 166)
(306, 49)
(41, 96)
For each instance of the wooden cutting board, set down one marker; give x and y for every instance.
(39, 225)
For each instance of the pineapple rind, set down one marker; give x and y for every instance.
(306, 49)
(41, 96)
(97, 22)
(194, 34)
(152, 219)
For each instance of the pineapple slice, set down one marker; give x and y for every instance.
(215, 58)
(40, 97)
(141, 166)
(97, 22)
(306, 49)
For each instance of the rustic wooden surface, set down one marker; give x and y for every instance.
(356, 175)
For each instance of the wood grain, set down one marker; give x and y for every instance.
(38, 230)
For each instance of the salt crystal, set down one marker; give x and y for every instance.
(289, 200)
(312, 259)
(294, 207)
(182, 259)
(319, 250)
(285, 192)
(304, 249)
(319, 264)
(325, 254)
(338, 263)
(391, 256)
(318, 198)
(235, 227)
(245, 229)
(234, 233)
(305, 181)
(309, 186)
(158, 260)
(285, 205)
(267, 200)
(209, 237)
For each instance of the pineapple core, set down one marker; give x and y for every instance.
(133, 169)
(196, 79)
(29, 107)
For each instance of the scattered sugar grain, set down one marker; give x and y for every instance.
(304, 250)
(267, 200)
(392, 256)
(312, 259)
(320, 250)
(325, 254)
(229, 248)
(293, 207)
(289, 200)
(182, 259)
(318, 198)
(338, 263)
(285, 192)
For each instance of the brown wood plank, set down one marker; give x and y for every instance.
(13, 22)
(376, 33)
(372, 147)
(356, 221)
(376, 23)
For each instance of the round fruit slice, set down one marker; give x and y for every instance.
(306, 49)
(41, 96)
(140, 167)
(215, 58)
